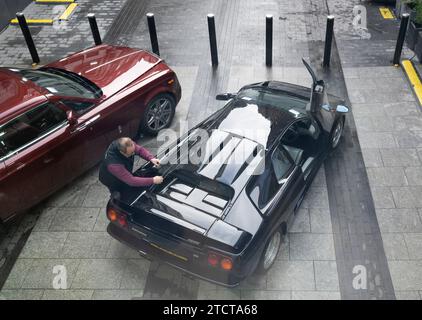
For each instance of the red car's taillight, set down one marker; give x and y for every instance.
(224, 263)
(115, 216)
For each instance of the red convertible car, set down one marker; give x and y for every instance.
(57, 121)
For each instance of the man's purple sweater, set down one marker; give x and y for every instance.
(120, 172)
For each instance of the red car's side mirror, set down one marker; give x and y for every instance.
(71, 118)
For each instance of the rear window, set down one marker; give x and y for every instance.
(29, 127)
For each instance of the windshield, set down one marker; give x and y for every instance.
(280, 100)
(62, 82)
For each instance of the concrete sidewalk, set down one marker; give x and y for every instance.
(388, 123)
(60, 39)
(71, 228)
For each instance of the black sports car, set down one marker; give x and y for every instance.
(232, 183)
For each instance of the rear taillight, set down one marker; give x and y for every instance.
(226, 264)
(213, 259)
(122, 221)
(112, 215)
(216, 260)
(117, 217)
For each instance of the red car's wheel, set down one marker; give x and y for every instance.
(158, 114)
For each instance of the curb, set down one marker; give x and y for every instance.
(414, 79)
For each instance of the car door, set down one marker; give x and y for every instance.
(29, 142)
(99, 119)
(3, 194)
(290, 180)
(98, 124)
(304, 142)
(86, 116)
(276, 190)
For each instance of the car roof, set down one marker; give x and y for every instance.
(236, 139)
(261, 117)
(251, 125)
(16, 94)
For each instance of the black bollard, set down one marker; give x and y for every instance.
(269, 40)
(28, 38)
(213, 39)
(153, 33)
(94, 29)
(400, 40)
(328, 41)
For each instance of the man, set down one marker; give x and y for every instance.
(116, 168)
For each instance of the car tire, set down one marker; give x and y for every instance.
(336, 133)
(158, 114)
(271, 250)
(2, 229)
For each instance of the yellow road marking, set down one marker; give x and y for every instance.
(33, 21)
(386, 13)
(414, 79)
(68, 12)
(54, 1)
(169, 252)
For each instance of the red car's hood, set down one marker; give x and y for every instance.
(109, 67)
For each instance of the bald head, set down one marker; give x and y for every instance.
(126, 146)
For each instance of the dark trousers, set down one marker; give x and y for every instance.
(126, 194)
(114, 194)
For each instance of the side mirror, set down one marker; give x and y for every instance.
(342, 109)
(225, 96)
(71, 118)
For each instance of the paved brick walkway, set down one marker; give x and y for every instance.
(71, 228)
(388, 123)
(60, 39)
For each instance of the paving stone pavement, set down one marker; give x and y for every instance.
(388, 121)
(71, 228)
(393, 164)
(60, 39)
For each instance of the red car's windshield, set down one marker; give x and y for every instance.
(62, 82)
